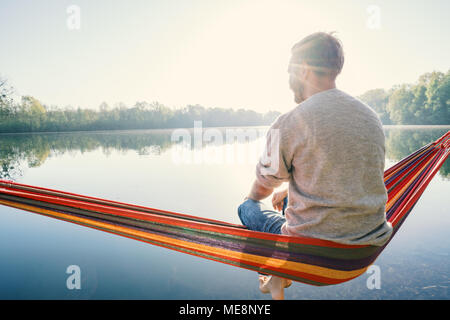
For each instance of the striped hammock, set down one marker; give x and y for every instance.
(312, 261)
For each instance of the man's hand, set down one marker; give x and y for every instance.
(278, 199)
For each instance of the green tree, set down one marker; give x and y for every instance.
(6, 100)
(33, 111)
(399, 104)
(418, 104)
(377, 99)
(438, 94)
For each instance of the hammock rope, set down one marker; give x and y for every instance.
(307, 260)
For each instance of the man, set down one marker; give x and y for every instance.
(331, 150)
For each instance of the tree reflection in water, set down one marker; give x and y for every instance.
(18, 151)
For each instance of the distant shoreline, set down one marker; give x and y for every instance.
(162, 130)
(418, 126)
(128, 130)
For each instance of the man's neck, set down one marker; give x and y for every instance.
(312, 90)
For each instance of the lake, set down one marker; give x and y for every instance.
(207, 177)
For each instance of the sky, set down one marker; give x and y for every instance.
(216, 53)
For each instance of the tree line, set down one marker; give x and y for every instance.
(426, 102)
(30, 115)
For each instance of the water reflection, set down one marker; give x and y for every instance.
(35, 251)
(32, 150)
(400, 142)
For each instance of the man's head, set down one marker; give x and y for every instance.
(315, 63)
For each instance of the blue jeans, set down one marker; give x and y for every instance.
(255, 216)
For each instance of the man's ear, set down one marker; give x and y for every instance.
(304, 71)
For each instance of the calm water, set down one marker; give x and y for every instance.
(210, 180)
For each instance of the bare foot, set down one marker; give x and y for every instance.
(274, 285)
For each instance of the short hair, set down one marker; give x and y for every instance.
(322, 52)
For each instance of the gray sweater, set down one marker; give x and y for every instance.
(331, 150)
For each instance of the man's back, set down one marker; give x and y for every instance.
(333, 148)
